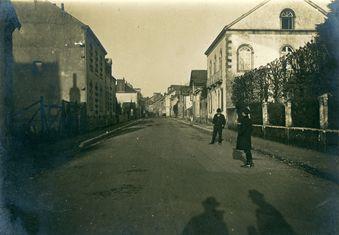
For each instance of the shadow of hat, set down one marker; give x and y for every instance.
(210, 202)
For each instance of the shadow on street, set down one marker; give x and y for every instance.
(29, 165)
(211, 221)
(29, 220)
(269, 220)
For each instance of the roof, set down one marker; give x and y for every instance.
(198, 77)
(182, 89)
(8, 15)
(47, 12)
(223, 31)
(176, 87)
(157, 99)
(128, 88)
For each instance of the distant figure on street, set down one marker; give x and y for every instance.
(244, 136)
(219, 123)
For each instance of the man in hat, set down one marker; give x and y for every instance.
(244, 136)
(219, 122)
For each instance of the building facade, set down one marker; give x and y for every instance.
(270, 30)
(130, 99)
(155, 105)
(177, 100)
(59, 58)
(198, 81)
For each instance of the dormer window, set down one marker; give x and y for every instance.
(287, 17)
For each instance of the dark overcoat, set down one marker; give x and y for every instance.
(244, 134)
(219, 121)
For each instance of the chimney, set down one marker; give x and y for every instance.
(62, 6)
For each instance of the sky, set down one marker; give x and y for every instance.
(156, 43)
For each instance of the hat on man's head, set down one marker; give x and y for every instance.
(219, 110)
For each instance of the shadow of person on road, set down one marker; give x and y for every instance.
(211, 221)
(29, 220)
(269, 220)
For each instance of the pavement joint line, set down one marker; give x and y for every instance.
(102, 136)
(296, 164)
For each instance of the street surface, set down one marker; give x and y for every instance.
(162, 177)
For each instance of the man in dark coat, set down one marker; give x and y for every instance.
(219, 122)
(244, 136)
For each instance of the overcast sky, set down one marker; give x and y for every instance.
(157, 43)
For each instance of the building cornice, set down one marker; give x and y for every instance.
(274, 31)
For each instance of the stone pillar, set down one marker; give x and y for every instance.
(265, 120)
(323, 111)
(288, 114)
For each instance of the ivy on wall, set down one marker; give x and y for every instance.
(299, 77)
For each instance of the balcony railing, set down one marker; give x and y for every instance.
(215, 78)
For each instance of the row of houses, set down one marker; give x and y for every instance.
(268, 31)
(60, 64)
(184, 101)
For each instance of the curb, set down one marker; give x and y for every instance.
(296, 164)
(195, 125)
(94, 140)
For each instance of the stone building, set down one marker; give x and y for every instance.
(167, 103)
(198, 82)
(177, 100)
(130, 99)
(155, 105)
(268, 31)
(60, 58)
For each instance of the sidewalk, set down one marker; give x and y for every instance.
(316, 163)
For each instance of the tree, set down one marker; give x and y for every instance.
(328, 35)
(328, 32)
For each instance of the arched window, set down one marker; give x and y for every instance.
(287, 17)
(245, 58)
(285, 50)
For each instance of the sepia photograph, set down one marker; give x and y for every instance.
(169, 117)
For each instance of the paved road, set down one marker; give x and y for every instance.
(162, 177)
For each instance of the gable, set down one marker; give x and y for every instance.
(267, 16)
